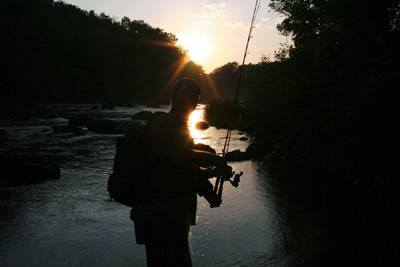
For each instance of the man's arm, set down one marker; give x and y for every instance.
(195, 157)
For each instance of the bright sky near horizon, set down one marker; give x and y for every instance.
(214, 31)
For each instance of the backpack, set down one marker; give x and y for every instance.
(128, 181)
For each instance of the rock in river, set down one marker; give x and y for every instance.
(68, 129)
(253, 151)
(143, 115)
(202, 125)
(80, 120)
(16, 171)
(257, 151)
(105, 127)
(237, 155)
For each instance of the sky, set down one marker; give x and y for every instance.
(213, 31)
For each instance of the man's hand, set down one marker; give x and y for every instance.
(223, 170)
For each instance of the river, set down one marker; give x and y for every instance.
(267, 221)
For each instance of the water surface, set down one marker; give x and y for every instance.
(71, 222)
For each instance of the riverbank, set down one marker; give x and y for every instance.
(356, 197)
(365, 163)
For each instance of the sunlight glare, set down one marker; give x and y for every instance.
(195, 117)
(197, 44)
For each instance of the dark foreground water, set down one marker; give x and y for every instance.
(279, 216)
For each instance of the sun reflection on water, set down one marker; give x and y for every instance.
(196, 116)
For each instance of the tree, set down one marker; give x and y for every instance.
(330, 97)
(225, 79)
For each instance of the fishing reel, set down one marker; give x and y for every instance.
(234, 182)
(213, 193)
(219, 183)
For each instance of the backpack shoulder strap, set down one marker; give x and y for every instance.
(151, 120)
(156, 114)
(144, 182)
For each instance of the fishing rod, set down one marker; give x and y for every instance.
(229, 131)
(218, 187)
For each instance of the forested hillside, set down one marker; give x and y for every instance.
(54, 51)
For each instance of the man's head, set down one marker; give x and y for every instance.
(185, 95)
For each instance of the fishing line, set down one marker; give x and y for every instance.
(218, 187)
(229, 131)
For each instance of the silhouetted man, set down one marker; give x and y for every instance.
(174, 181)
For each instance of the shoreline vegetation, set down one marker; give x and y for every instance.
(329, 100)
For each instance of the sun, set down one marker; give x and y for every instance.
(198, 45)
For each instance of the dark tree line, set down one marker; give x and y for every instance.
(54, 51)
(332, 96)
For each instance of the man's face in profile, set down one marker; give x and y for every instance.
(185, 102)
